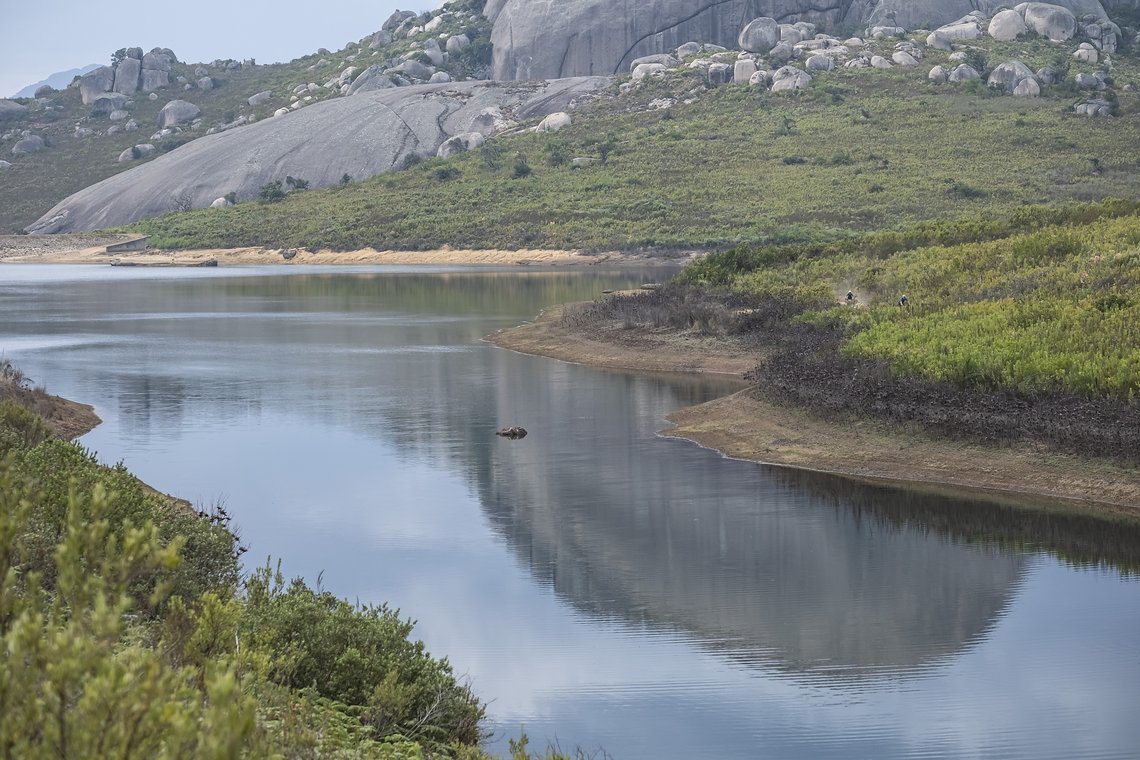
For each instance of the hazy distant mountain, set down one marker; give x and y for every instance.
(58, 80)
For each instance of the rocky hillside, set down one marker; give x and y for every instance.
(404, 94)
(145, 105)
(557, 38)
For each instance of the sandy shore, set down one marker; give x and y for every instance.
(745, 425)
(91, 248)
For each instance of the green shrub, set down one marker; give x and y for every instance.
(271, 192)
(360, 656)
(20, 428)
(522, 168)
(74, 680)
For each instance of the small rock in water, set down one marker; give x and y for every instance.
(512, 432)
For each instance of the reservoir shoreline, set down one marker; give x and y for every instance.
(750, 426)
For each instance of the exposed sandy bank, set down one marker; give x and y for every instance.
(90, 248)
(745, 425)
(67, 419)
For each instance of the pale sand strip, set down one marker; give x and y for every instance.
(80, 249)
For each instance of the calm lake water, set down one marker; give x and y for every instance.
(601, 586)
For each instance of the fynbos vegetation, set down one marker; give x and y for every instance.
(125, 631)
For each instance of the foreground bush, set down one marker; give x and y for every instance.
(120, 638)
(360, 656)
(72, 681)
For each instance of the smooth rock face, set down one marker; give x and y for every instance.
(5, 165)
(360, 136)
(937, 75)
(259, 98)
(177, 112)
(903, 58)
(536, 39)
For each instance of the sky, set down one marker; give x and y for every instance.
(39, 40)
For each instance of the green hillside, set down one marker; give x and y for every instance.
(680, 164)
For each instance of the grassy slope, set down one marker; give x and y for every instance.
(862, 149)
(1051, 310)
(38, 181)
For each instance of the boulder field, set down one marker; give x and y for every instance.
(542, 39)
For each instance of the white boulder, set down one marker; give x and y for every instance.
(554, 122)
(790, 78)
(643, 70)
(1007, 25)
(460, 143)
(1052, 21)
(1009, 75)
(759, 35)
(743, 70)
(820, 63)
(1086, 53)
(963, 73)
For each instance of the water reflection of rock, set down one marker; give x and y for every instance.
(626, 525)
